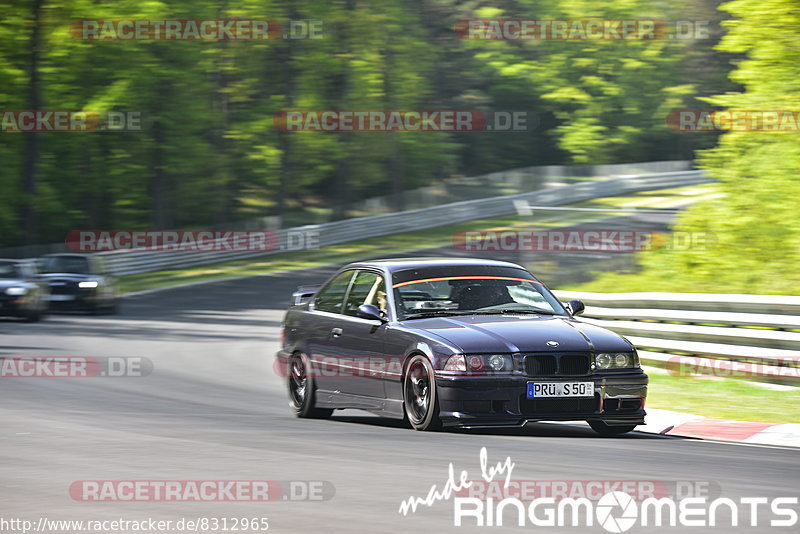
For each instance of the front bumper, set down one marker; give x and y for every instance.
(502, 401)
(15, 306)
(81, 300)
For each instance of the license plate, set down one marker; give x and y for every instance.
(560, 389)
(61, 297)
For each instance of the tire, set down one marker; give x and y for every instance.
(608, 431)
(302, 392)
(420, 398)
(36, 312)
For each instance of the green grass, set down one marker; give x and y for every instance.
(723, 398)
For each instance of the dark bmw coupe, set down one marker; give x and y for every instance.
(455, 342)
(79, 282)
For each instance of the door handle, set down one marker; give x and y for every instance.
(336, 332)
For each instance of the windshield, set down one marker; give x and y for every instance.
(9, 269)
(66, 264)
(464, 293)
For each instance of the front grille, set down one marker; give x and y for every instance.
(558, 405)
(556, 364)
(68, 288)
(574, 364)
(541, 365)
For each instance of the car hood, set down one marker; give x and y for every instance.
(486, 334)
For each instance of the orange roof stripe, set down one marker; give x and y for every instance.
(465, 278)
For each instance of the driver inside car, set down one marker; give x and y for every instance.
(377, 295)
(474, 297)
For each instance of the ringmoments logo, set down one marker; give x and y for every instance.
(615, 510)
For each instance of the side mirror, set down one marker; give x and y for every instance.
(303, 295)
(575, 307)
(370, 311)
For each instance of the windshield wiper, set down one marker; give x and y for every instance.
(438, 313)
(509, 312)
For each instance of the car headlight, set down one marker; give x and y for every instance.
(475, 363)
(456, 362)
(604, 361)
(499, 362)
(494, 363)
(87, 285)
(15, 291)
(616, 360)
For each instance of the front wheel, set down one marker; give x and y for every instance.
(301, 389)
(608, 431)
(420, 398)
(33, 316)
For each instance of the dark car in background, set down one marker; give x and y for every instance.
(79, 282)
(22, 294)
(455, 342)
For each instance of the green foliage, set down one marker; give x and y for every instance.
(209, 153)
(755, 220)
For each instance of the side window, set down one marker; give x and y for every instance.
(368, 288)
(330, 297)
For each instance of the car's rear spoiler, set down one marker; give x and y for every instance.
(303, 294)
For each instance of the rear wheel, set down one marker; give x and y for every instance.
(301, 389)
(607, 430)
(420, 398)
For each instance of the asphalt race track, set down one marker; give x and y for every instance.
(213, 409)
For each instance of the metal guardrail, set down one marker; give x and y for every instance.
(762, 329)
(332, 233)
